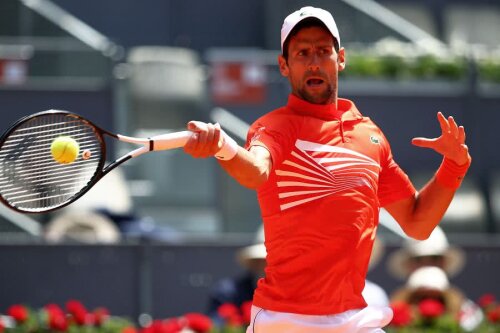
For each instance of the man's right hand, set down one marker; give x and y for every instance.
(251, 168)
(206, 141)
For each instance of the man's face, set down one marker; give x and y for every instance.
(430, 260)
(258, 267)
(313, 65)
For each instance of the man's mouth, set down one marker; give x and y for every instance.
(314, 82)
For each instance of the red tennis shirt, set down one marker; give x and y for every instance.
(332, 170)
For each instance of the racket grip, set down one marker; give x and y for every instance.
(170, 140)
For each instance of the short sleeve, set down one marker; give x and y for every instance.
(394, 183)
(275, 132)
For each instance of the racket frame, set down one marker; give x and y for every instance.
(160, 142)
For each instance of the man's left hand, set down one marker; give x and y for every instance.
(451, 143)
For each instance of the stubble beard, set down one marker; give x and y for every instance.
(325, 97)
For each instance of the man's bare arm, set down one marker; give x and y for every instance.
(420, 214)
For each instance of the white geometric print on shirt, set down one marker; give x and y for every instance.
(314, 171)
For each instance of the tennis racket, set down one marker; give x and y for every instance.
(32, 181)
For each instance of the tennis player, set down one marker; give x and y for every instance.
(322, 171)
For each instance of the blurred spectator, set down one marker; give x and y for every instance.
(434, 251)
(441, 262)
(240, 289)
(373, 294)
(430, 282)
(428, 286)
(111, 194)
(106, 214)
(83, 222)
(82, 227)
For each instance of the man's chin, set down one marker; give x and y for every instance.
(315, 96)
(318, 99)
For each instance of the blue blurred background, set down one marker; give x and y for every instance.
(173, 224)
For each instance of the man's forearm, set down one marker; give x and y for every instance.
(250, 168)
(419, 215)
(431, 203)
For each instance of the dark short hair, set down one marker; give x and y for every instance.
(306, 23)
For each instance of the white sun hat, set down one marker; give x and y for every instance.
(306, 12)
(436, 245)
(428, 277)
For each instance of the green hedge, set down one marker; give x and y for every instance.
(420, 67)
(489, 70)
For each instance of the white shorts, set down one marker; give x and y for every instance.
(367, 320)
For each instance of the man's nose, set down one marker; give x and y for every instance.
(314, 62)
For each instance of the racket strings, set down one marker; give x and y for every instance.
(30, 178)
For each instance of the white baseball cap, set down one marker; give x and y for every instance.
(306, 12)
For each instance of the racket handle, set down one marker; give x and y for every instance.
(171, 140)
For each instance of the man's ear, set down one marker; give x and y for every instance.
(341, 59)
(283, 65)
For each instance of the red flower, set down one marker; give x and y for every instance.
(172, 325)
(198, 322)
(486, 300)
(430, 308)
(402, 314)
(494, 315)
(78, 311)
(235, 320)
(53, 308)
(164, 326)
(18, 312)
(246, 312)
(227, 310)
(74, 305)
(2, 326)
(56, 318)
(100, 316)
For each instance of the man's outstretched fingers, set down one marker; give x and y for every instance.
(453, 126)
(423, 142)
(445, 127)
(461, 135)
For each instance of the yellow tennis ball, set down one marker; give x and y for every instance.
(64, 149)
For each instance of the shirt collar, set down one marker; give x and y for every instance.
(345, 109)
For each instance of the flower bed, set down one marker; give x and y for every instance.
(76, 318)
(53, 318)
(428, 316)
